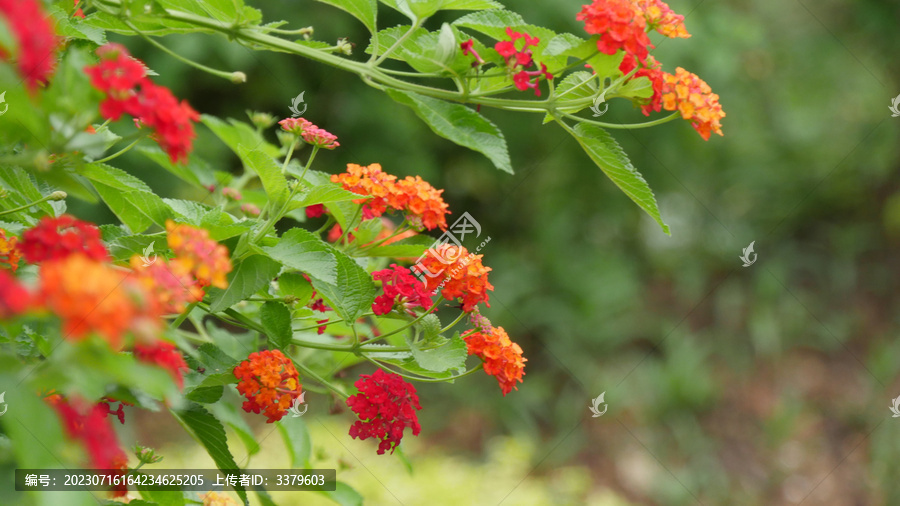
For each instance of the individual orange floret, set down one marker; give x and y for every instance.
(369, 180)
(422, 203)
(172, 286)
(662, 18)
(270, 383)
(91, 296)
(694, 99)
(502, 358)
(196, 253)
(457, 273)
(9, 251)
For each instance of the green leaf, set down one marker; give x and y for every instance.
(210, 433)
(470, 5)
(205, 394)
(196, 172)
(215, 360)
(295, 285)
(363, 10)
(129, 198)
(389, 36)
(459, 124)
(248, 277)
(352, 294)
(640, 87)
(446, 358)
(269, 173)
(344, 494)
(304, 251)
(161, 497)
(296, 440)
(237, 133)
(217, 222)
(22, 190)
(325, 193)
(421, 9)
(276, 319)
(613, 161)
(231, 415)
(577, 85)
(411, 247)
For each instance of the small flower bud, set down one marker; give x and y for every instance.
(238, 77)
(58, 195)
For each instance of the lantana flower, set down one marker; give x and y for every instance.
(385, 405)
(270, 383)
(9, 251)
(518, 59)
(502, 357)
(14, 298)
(33, 37)
(621, 25)
(57, 238)
(457, 274)
(195, 252)
(401, 289)
(165, 355)
(310, 133)
(171, 283)
(694, 99)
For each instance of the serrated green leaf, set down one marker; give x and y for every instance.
(217, 222)
(613, 161)
(248, 277)
(269, 172)
(205, 395)
(22, 190)
(292, 284)
(577, 85)
(129, 198)
(363, 10)
(210, 433)
(215, 361)
(237, 133)
(196, 172)
(390, 36)
(449, 357)
(459, 124)
(353, 292)
(229, 414)
(324, 194)
(639, 87)
(304, 251)
(431, 327)
(276, 319)
(160, 497)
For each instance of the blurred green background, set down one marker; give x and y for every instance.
(763, 385)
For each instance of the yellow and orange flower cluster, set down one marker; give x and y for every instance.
(9, 252)
(502, 357)
(168, 282)
(662, 18)
(421, 202)
(694, 99)
(215, 499)
(197, 254)
(270, 383)
(458, 274)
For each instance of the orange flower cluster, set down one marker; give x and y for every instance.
(91, 296)
(662, 18)
(694, 99)
(9, 251)
(168, 282)
(270, 383)
(214, 499)
(197, 254)
(458, 274)
(502, 357)
(421, 202)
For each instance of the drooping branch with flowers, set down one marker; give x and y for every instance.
(151, 307)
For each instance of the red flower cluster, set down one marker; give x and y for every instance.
(422, 203)
(314, 211)
(119, 413)
(385, 406)
(129, 90)
(620, 24)
(34, 38)
(9, 251)
(458, 274)
(310, 133)
(502, 357)
(270, 383)
(518, 60)
(197, 254)
(57, 238)
(95, 432)
(694, 99)
(400, 288)
(165, 355)
(652, 70)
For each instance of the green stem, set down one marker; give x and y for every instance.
(457, 320)
(235, 77)
(183, 316)
(410, 324)
(119, 153)
(381, 365)
(625, 126)
(312, 156)
(287, 158)
(395, 45)
(328, 223)
(312, 374)
(52, 196)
